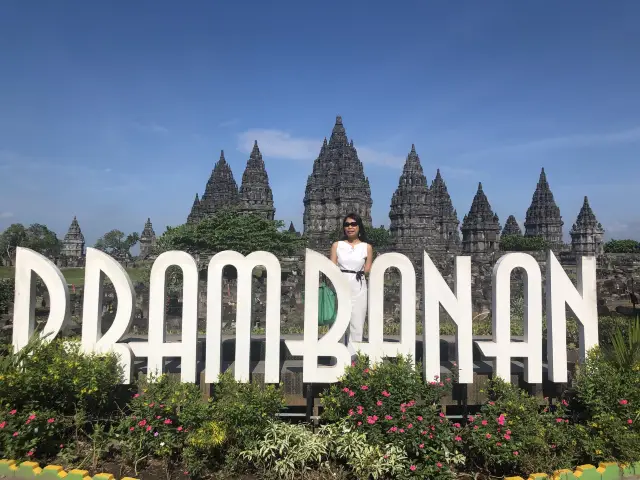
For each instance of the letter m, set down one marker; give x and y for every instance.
(244, 266)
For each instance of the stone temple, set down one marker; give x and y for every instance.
(421, 217)
(337, 186)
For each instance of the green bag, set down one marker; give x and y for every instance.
(326, 305)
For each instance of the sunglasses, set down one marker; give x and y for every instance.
(350, 224)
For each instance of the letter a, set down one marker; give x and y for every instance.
(29, 262)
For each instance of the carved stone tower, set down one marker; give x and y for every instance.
(73, 243)
(336, 187)
(543, 216)
(587, 233)
(447, 237)
(195, 216)
(511, 227)
(412, 227)
(255, 193)
(147, 239)
(480, 227)
(221, 192)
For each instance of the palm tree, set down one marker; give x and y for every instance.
(625, 353)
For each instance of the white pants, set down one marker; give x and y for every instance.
(359, 297)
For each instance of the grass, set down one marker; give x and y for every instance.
(73, 276)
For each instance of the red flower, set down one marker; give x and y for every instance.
(30, 453)
(624, 402)
(142, 423)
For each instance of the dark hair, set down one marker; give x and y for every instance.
(362, 233)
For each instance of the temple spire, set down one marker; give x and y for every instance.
(255, 193)
(587, 233)
(445, 216)
(412, 227)
(511, 227)
(480, 227)
(543, 217)
(147, 239)
(73, 244)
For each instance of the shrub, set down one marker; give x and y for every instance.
(161, 420)
(26, 434)
(511, 436)
(622, 246)
(287, 451)
(605, 402)
(59, 377)
(391, 404)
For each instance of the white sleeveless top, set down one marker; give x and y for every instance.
(351, 258)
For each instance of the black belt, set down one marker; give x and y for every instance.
(359, 274)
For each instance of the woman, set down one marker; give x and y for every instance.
(353, 255)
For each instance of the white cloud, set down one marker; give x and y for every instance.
(6, 214)
(281, 144)
(567, 141)
(150, 127)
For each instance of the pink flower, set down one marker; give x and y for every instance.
(379, 403)
(484, 422)
(553, 445)
(3, 424)
(12, 412)
(155, 434)
(353, 364)
(412, 468)
(179, 429)
(151, 405)
(359, 423)
(500, 419)
(498, 444)
(458, 438)
(516, 453)
(456, 425)
(565, 403)
(629, 421)
(32, 417)
(442, 414)
(149, 428)
(558, 420)
(410, 425)
(132, 429)
(476, 427)
(385, 393)
(350, 412)
(421, 445)
(441, 384)
(51, 420)
(419, 418)
(401, 430)
(388, 417)
(423, 432)
(448, 380)
(488, 435)
(393, 429)
(366, 370)
(351, 393)
(360, 409)
(142, 423)
(168, 421)
(507, 437)
(439, 465)
(29, 453)
(508, 432)
(372, 419)
(345, 389)
(158, 417)
(492, 403)
(624, 402)
(15, 434)
(136, 395)
(470, 419)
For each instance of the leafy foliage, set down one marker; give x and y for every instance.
(378, 237)
(37, 237)
(229, 231)
(511, 436)
(605, 402)
(622, 246)
(391, 404)
(519, 243)
(117, 244)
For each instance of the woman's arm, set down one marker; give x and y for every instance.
(334, 253)
(369, 261)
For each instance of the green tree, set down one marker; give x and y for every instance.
(230, 231)
(378, 237)
(622, 246)
(37, 237)
(116, 244)
(518, 243)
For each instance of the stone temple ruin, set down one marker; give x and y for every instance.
(421, 216)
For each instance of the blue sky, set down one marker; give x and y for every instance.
(117, 111)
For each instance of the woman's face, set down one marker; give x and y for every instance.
(351, 228)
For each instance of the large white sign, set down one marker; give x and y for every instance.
(457, 302)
